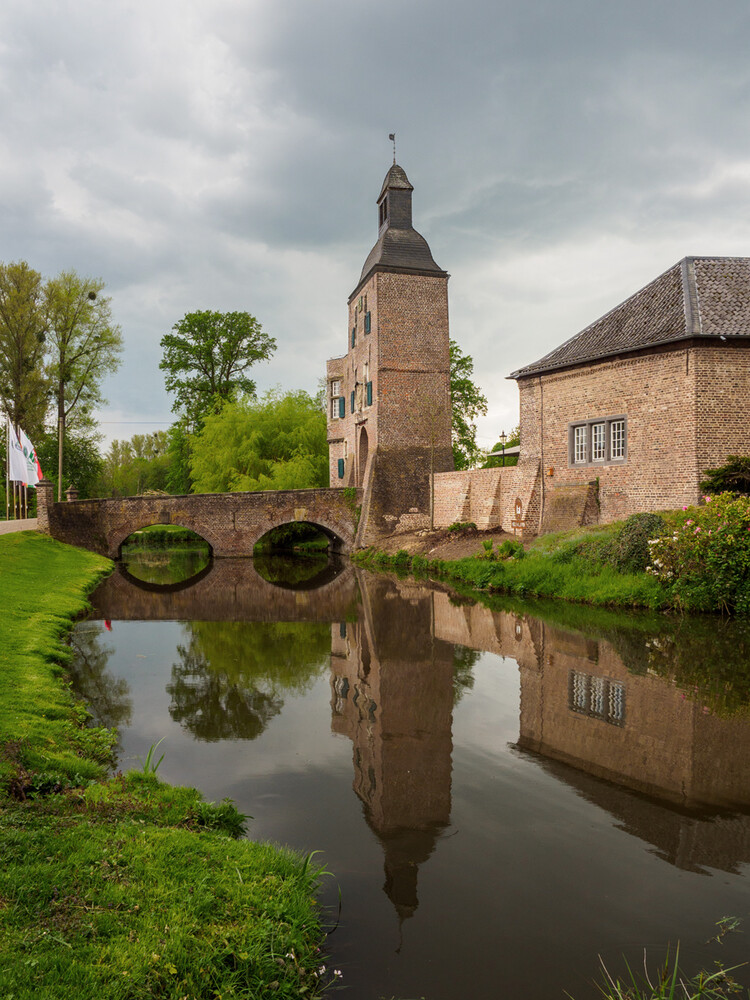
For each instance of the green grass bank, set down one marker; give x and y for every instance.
(122, 887)
(579, 565)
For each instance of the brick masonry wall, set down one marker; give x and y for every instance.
(722, 404)
(487, 497)
(656, 392)
(407, 427)
(230, 522)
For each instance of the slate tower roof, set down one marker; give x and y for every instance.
(707, 297)
(399, 247)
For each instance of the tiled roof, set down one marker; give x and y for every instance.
(402, 249)
(399, 247)
(395, 178)
(698, 297)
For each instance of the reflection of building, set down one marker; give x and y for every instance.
(581, 705)
(589, 718)
(392, 695)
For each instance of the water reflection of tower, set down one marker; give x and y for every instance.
(392, 687)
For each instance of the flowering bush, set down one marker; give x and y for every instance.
(706, 560)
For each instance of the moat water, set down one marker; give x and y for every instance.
(502, 796)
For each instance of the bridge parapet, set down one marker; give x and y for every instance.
(231, 523)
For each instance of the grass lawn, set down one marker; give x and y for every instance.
(123, 887)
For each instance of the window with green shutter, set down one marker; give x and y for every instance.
(342, 406)
(368, 322)
(341, 468)
(352, 403)
(354, 335)
(368, 390)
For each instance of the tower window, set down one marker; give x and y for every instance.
(383, 210)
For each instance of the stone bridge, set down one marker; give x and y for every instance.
(231, 523)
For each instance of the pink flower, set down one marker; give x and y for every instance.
(684, 508)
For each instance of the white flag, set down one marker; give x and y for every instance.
(17, 468)
(34, 469)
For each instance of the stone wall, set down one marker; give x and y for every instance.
(231, 523)
(487, 497)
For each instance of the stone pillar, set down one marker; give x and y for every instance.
(44, 501)
(71, 493)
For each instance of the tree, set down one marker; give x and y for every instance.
(130, 467)
(83, 461)
(277, 443)
(24, 382)
(511, 440)
(179, 445)
(206, 358)
(85, 347)
(467, 403)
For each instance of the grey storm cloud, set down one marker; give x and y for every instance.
(228, 155)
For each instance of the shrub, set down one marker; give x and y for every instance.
(706, 560)
(733, 476)
(468, 526)
(629, 551)
(510, 549)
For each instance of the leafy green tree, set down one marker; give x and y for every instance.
(206, 358)
(467, 403)
(132, 467)
(511, 440)
(24, 380)
(179, 448)
(85, 346)
(83, 462)
(277, 443)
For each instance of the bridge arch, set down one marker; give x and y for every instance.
(117, 538)
(335, 542)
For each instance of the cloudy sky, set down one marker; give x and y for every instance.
(226, 154)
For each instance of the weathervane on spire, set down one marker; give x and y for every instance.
(392, 137)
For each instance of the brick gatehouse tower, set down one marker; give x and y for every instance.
(389, 414)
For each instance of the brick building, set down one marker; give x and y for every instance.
(389, 423)
(640, 403)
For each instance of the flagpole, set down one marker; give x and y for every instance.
(7, 468)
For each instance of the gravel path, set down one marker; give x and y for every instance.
(25, 524)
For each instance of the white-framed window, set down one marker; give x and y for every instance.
(602, 441)
(337, 404)
(580, 451)
(598, 442)
(617, 439)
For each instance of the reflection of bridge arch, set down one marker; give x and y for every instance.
(165, 588)
(228, 589)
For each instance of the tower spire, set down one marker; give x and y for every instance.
(392, 137)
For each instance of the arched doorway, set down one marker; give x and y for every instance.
(362, 463)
